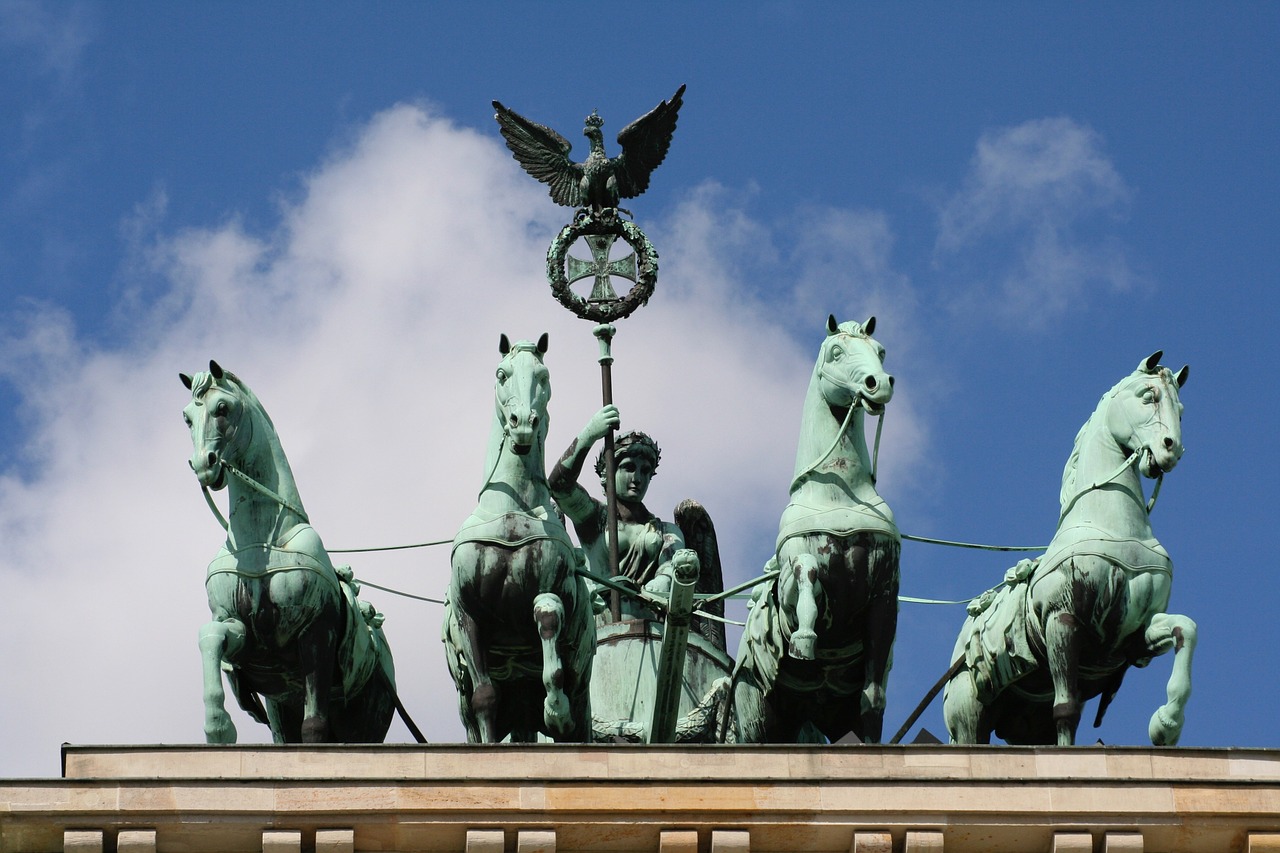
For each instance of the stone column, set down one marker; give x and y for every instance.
(923, 841)
(82, 841)
(136, 841)
(281, 841)
(872, 842)
(730, 841)
(536, 841)
(678, 841)
(1072, 842)
(484, 841)
(1122, 842)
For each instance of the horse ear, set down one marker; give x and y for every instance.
(869, 327)
(832, 325)
(215, 369)
(542, 344)
(1151, 362)
(1182, 375)
(504, 345)
(186, 380)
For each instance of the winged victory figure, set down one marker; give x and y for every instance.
(599, 181)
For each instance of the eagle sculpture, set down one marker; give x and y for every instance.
(599, 181)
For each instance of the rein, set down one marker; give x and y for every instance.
(257, 487)
(844, 428)
(1125, 465)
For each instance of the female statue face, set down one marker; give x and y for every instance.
(632, 476)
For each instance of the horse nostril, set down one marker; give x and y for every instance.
(213, 459)
(870, 382)
(891, 380)
(514, 421)
(1168, 443)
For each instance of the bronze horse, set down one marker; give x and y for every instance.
(518, 630)
(302, 653)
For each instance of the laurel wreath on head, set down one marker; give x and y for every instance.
(587, 224)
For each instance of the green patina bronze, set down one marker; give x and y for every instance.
(637, 691)
(634, 696)
(600, 181)
(518, 619)
(595, 186)
(302, 653)
(1065, 628)
(814, 659)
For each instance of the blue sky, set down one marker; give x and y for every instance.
(1031, 198)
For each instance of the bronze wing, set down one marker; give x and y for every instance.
(543, 153)
(644, 145)
(700, 535)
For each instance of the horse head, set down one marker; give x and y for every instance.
(521, 392)
(851, 367)
(1145, 415)
(219, 421)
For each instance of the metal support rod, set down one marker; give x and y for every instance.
(675, 647)
(951, 673)
(604, 333)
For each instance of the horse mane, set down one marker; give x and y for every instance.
(1068, 491)
(250, 397)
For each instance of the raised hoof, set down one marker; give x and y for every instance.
(1164, 731)
(555, 712)
(803, 645)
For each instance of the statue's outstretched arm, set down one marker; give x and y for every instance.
(563, 478)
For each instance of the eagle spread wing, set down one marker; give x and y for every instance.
(544, 154)
(700, 534)
(644, 145)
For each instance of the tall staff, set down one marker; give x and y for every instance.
(604, 332)
(595, 187)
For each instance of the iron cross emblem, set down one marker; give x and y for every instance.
(601, 267)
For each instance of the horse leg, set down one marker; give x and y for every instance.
(877, 650)
(1062, 642)
(960, 708)
(749, 714)
(480, 711)
(804, 639)
(219, 641)
(1172, 631)
(316, 649)
(548, 616)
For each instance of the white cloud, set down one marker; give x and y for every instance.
(368, 325)
(55, 36)
(1029, 212)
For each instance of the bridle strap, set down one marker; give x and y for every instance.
(875, 454)
(844, 427)
(213, 507)
(1125, 465)
(256, 486)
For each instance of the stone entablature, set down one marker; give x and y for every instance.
(544, 798)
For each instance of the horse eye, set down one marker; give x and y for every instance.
(836, 353)
(502, 375)
(220, 411)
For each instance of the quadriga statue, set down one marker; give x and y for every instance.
(302, 653)
(518, 630)
(815, 656)
(1065, 628)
